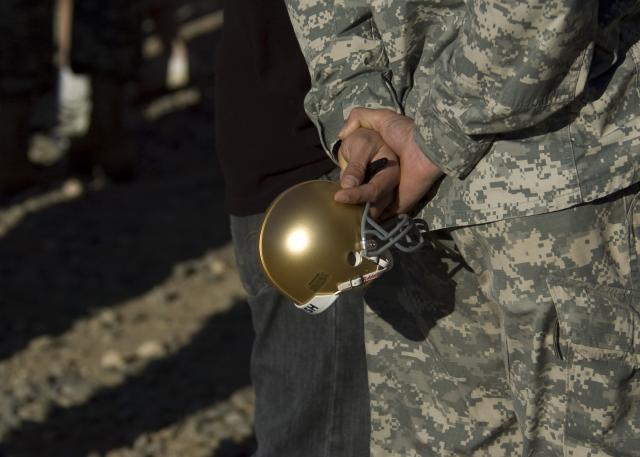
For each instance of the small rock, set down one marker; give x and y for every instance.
(244, 401)
(72, 188)
(24, 392)
(41, 342)
(108, 318)
(112, 360)
(185, 270)
(234, 419)
(142, 441)
(151, 350)
(33, 411)
(139, 317)
(9, 408)
(217, 267)
(171, 296)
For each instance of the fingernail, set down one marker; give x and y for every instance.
(348, 182)
(340, 197)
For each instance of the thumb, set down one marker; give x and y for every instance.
(352, 174)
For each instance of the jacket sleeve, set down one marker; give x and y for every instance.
(513, 64)
(346, 60)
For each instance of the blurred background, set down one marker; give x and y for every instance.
(123, 326)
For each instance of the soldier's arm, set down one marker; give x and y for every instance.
(346, 59)
(514, 64)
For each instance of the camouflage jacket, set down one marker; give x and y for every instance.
(528, 106)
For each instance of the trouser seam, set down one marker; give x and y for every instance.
(329, 438)
(631, 239)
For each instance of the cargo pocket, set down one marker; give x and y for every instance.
(599, 340)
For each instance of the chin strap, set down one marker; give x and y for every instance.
(406, 235)
(383, 264)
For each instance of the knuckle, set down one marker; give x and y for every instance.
(358, 168)
(360, 141)
(356, 112)
(356, 147)
(355, 168)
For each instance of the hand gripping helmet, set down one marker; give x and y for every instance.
(313, 248)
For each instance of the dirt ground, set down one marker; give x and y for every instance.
(123, 326)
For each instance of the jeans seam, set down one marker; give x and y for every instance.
(334, 386)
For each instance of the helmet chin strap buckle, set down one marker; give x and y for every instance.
(383, 265)
(367, 244)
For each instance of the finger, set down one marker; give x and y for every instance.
(356, 152)
(375, 167)
(364, 193)
(379, 190)
(358, 118)
(342, 162)
(353, 174)
(351, 125)
(374, 119)
(390, 211)
(379, 208)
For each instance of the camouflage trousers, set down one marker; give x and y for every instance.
(524, 343)
(106, 40)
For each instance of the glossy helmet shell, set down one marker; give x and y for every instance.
(309, 243)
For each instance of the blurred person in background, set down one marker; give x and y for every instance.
(308, 371)
(26, 70)
(105, 45)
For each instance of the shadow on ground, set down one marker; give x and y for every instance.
(230, 448)
(208, 370)
(107, 246)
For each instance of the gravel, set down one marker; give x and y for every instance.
(124, 330)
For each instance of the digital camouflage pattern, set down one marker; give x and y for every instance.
(537, 320)
(106, 40)
(529, 106)
(527, 343)
(346, 71)
(436, 377)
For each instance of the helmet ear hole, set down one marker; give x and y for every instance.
(354, 258)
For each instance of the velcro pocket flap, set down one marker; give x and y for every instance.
(596, 317)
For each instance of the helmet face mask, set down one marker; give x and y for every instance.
(313, 248)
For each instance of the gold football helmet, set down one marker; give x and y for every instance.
(313, 248)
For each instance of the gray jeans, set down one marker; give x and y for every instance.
(309, 372)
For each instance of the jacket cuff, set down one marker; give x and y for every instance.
(454, 152)
(330, 119)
